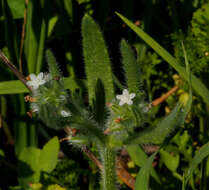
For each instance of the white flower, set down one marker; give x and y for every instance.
(36, 81)
(64, 113)
(126, 98)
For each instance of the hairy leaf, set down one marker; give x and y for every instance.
(96, 58)
(132, 71)
(164, 129)
(52, 63)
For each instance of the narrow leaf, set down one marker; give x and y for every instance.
(142, 178)
(203, 153)
(17, 87)
(45, 5)
(139, 157)
(12, 87)
(96, 58)
(51, 25)
(31, 39)
(132, 71)
(10, 32)
(52, 63)
(164, 128)
(69, 8)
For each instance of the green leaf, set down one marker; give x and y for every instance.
(10, 30)
(164, 128)
(12, 87)
(31, 38)
(44, 20)
(2, 153)
(51, 25)
(55, 187)
(52, 63)
(28, 166)
(17, 8)
(99, 107)
(142, 178)
(96, 58)
(183, 183)
(198, 86)
(139, 157)
(49, 155)
(69, 7)
(33, 160)
(171, 161)
(17, 87)
(132, 71)
(82, 1)
(203, 153)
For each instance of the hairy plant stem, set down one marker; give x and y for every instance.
(108, 158)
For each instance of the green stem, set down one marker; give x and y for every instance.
(203, 175)
(108, 171)
(20, 127)
(178, 176)
(204, 183)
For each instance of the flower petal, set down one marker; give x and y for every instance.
(132, 95)
(121, 103)
(130, 102)
(40, 76)
(29, 83)
(32, 76)
(125, 92)
(65, 113)
(41, 82)
(119, 97)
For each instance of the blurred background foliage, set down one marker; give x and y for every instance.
(29, 27)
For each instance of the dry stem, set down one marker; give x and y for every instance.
(23, 36)
(18, 74)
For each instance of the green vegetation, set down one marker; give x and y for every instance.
(92, 74)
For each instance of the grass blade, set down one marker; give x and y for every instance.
(203, 153)
(142, 178)
(17, 87)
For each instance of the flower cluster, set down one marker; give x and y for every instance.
(58, 97)
(35, 81)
